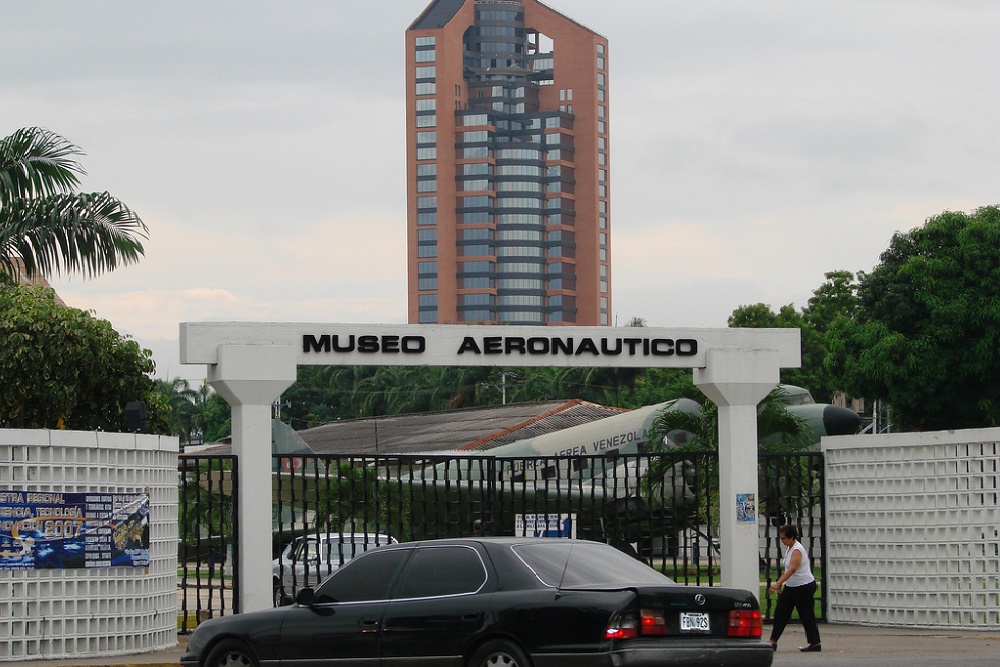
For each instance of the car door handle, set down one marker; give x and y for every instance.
(369, 625)
(472, 617)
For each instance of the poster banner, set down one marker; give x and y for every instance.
(544, 525)
(43, 529)
(746, 508)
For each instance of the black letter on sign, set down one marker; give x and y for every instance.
(413, 344)
(687, 347)
(312, 344)
(666, 344)
(587, 345)
(337, 347)
(367, 343)
(538, 346)
(469, 345)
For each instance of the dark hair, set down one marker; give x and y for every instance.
(789, 531)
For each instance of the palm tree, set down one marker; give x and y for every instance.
(45, 225)
(690, 428)
(777, 428)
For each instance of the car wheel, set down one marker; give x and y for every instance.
(231, 653)
(499, 653)
(279, 595)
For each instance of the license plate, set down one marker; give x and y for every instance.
(694, 622)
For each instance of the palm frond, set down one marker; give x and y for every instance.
(91, 233)
(35, 162)
(777, 428)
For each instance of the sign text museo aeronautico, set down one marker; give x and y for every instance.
(504, 345)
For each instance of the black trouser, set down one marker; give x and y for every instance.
(800, 598)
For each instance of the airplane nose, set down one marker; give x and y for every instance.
(840, 421)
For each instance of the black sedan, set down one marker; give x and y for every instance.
(487, 602)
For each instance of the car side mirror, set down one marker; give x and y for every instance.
(306, 597)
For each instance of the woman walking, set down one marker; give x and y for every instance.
(797, 587)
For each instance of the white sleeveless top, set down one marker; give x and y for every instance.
(803, 575)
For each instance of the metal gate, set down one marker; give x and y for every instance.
(662, 508)
(208, 535)
(791, 486)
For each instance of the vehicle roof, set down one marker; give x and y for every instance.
(349, 537)
(502, 539)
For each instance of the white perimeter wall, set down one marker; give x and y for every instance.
(913, 529)
(101, 611)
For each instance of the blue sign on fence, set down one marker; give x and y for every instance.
(42, 529)
(544, 525)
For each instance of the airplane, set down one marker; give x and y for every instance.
(593, 462)
(592, 471)
(823, 418)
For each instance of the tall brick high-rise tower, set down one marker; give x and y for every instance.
(508, 176)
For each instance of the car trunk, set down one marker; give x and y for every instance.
(697, 611)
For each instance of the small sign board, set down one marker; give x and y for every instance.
(746, 508)
(544, 525)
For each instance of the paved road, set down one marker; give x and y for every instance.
(864, 646)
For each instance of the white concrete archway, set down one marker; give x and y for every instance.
(251, 363)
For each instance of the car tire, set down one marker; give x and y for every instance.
(278, 595)
(231, 653)
(499, 653)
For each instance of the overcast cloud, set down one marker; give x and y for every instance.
(754, 146)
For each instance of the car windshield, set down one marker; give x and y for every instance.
(563, 564)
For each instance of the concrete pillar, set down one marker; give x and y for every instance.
(737, 380)
(251, 378)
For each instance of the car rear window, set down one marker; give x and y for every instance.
(563, 564)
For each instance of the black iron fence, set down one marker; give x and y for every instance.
(207, 556)
(661, 508)
(792, 492)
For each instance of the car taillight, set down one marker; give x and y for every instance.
(622, 626)
(649, 622)
(743, 623)
(653, 622)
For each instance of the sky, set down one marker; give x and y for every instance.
(754, 147)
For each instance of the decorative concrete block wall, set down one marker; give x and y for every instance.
(913, 529)
(56, 613)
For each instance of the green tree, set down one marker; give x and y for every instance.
(836, 297)
(178, 399)
(658, 385)
(777, 428)
(184, 408)
(777, 431)
(810, 374)
(49, 227)
(63, 368)
(217, 419)
(356, 496)
(926, 333)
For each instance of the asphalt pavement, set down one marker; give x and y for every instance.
(869, 646)
(843, 645)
